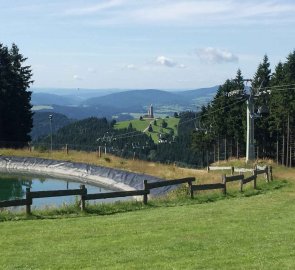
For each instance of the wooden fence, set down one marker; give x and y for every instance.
(236, 169)
(82, 192)
(267, 171)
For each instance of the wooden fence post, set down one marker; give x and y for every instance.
(266, 176)
(82, 204)
(241, 184)
(269, 168)
(224, 183)
(67, 149)
(208, 169)
(190, 188)
(145, 196)
(255, 179)
(29, 201)
(232, 170)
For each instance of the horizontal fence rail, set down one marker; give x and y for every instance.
(56, 193)
(249, 179)
(188, 180)
(207, 187)
(20, 202)
(115, 194)
(242, 170)
(234, 178)
(148, 186)
(217, 168)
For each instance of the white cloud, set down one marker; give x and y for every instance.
(77, 78)
(164, 61)
(215, 55)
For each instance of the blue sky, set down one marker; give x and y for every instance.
(164, 44)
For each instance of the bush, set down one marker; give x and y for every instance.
(107, 159)
(41, 148)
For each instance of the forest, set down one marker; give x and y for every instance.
(216, 132)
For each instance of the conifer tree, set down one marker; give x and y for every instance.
(260, 84)
(15, 108)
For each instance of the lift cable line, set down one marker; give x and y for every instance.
(244, 97)
(208, 113)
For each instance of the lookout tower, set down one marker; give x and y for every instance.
(151, 111)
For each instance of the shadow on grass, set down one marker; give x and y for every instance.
(179, 197)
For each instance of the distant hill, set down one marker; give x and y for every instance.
(122, 105)
(137, 100)
(201, 92)
(50, 99)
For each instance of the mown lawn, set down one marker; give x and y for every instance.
(255, 232)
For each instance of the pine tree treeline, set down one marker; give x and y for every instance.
(15, 108)
(91, 133)
(224, 119)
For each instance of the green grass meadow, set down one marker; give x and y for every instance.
(141, 125)
(252, 230)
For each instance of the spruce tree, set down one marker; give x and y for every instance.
(15, 108)
(260, 85)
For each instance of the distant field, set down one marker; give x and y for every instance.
(141, 125)
(42, 107)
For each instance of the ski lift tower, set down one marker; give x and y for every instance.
(250, 148)
(251, 115)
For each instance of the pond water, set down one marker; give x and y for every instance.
(14, 186)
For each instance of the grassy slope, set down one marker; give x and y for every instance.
(242, 232)
(143, 124)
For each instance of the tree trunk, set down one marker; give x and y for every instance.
(218, 150)
(277, 147)
(225, 149)
(283, 150)
(288, 140)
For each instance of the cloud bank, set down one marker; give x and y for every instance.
(214, 55)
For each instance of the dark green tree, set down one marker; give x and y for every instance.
(282, 109)
(223, 120)
(150, 128)
(15, 108)
(130, 127)
(260, 84)
(164, 124)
